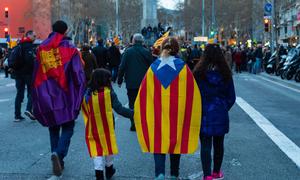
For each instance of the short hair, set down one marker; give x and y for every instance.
(28, 33)
(138, 38)
(60, 27)
(172, 45)
(100, 41)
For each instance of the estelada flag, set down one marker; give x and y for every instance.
(99, 125)
(167, 111)
(161, 39)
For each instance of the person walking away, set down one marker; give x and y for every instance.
(134, 65)
(258, 59)
(90, 62)
(101, 54)
(114, 57)
(238, 60)
(58, 89)
(101, 96)
(215, 82)
(162, 104)
(228, 56)
(21, 62)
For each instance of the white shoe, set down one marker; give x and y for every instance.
(54, 177)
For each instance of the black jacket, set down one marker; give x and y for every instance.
(28, 55)
(134, 64)
(101, 55)
(114, 56)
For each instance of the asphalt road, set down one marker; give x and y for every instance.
(250, 153)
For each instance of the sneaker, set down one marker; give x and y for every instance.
(54, 178)
(160, 177)
(19, 119)
(99, 175)
(30, 115)
(132, 128)
(174, 178)
(207, 178)
(109, 171)
(56, 166)
(218, 175)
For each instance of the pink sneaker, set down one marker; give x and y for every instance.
(218, 175)
(208, 178)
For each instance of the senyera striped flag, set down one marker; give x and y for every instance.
(167, 110)
(99, 125)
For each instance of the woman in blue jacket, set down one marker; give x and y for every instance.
(214, 79)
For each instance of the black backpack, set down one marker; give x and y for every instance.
(15, 59)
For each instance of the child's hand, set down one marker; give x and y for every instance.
(120, 85)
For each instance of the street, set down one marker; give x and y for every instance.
(253, 151)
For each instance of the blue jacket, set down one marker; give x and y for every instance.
(218, 97)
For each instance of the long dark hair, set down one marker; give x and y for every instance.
(212, 59)
(100, 78)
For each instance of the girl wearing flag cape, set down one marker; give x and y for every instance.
(167, 110)
(98, 103)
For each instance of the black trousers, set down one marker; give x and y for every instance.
(160, 164)
(206, 146)
(132, 94)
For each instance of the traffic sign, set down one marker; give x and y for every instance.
(268, 7)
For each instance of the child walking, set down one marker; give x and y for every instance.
(98, 103)
(214, 79)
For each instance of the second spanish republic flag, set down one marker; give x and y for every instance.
(167, 110)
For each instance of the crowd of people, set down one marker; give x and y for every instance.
(165, 86)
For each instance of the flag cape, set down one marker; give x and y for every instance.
(161, 39)
(58, 81)
(167, 110)
(99, 125)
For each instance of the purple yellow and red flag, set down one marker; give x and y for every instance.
(167, 111)
(58, 81)
(99, 125)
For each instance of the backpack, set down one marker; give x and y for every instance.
(15, 59)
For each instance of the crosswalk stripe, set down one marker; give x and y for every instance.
(281, 140)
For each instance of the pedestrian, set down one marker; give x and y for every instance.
(134, 65)
(58, 89)
(90, 62)
(238, 60)
(101, 54)
(99, 101)
(258, 54)
(114, 60)
(21, 62)
(214, 79)
(167, 111)
(228, 57)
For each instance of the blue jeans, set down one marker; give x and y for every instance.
(21, 82)
(160, 160)
(257, 66)
(60, 142)
(114, 71)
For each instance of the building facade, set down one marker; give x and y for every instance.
(25, 15)
(289, 22)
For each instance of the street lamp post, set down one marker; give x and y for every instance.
(117, 17)
(203, 17)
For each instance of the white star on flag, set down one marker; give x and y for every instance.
(169, 62)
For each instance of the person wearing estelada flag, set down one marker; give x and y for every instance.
(167, 110)
(58, 89)
(97, 107)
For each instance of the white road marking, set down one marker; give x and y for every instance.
(283, 142)
(10, 85)
(290, 88)
(4, 100)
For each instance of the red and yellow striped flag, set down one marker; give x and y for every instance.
(167, 110)
(99, 126)
(161, 39)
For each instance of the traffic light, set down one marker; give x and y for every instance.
(267, 24)
(6, 12)
(5, 32)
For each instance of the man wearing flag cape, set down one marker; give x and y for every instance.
(58, 88)
(167, 110)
